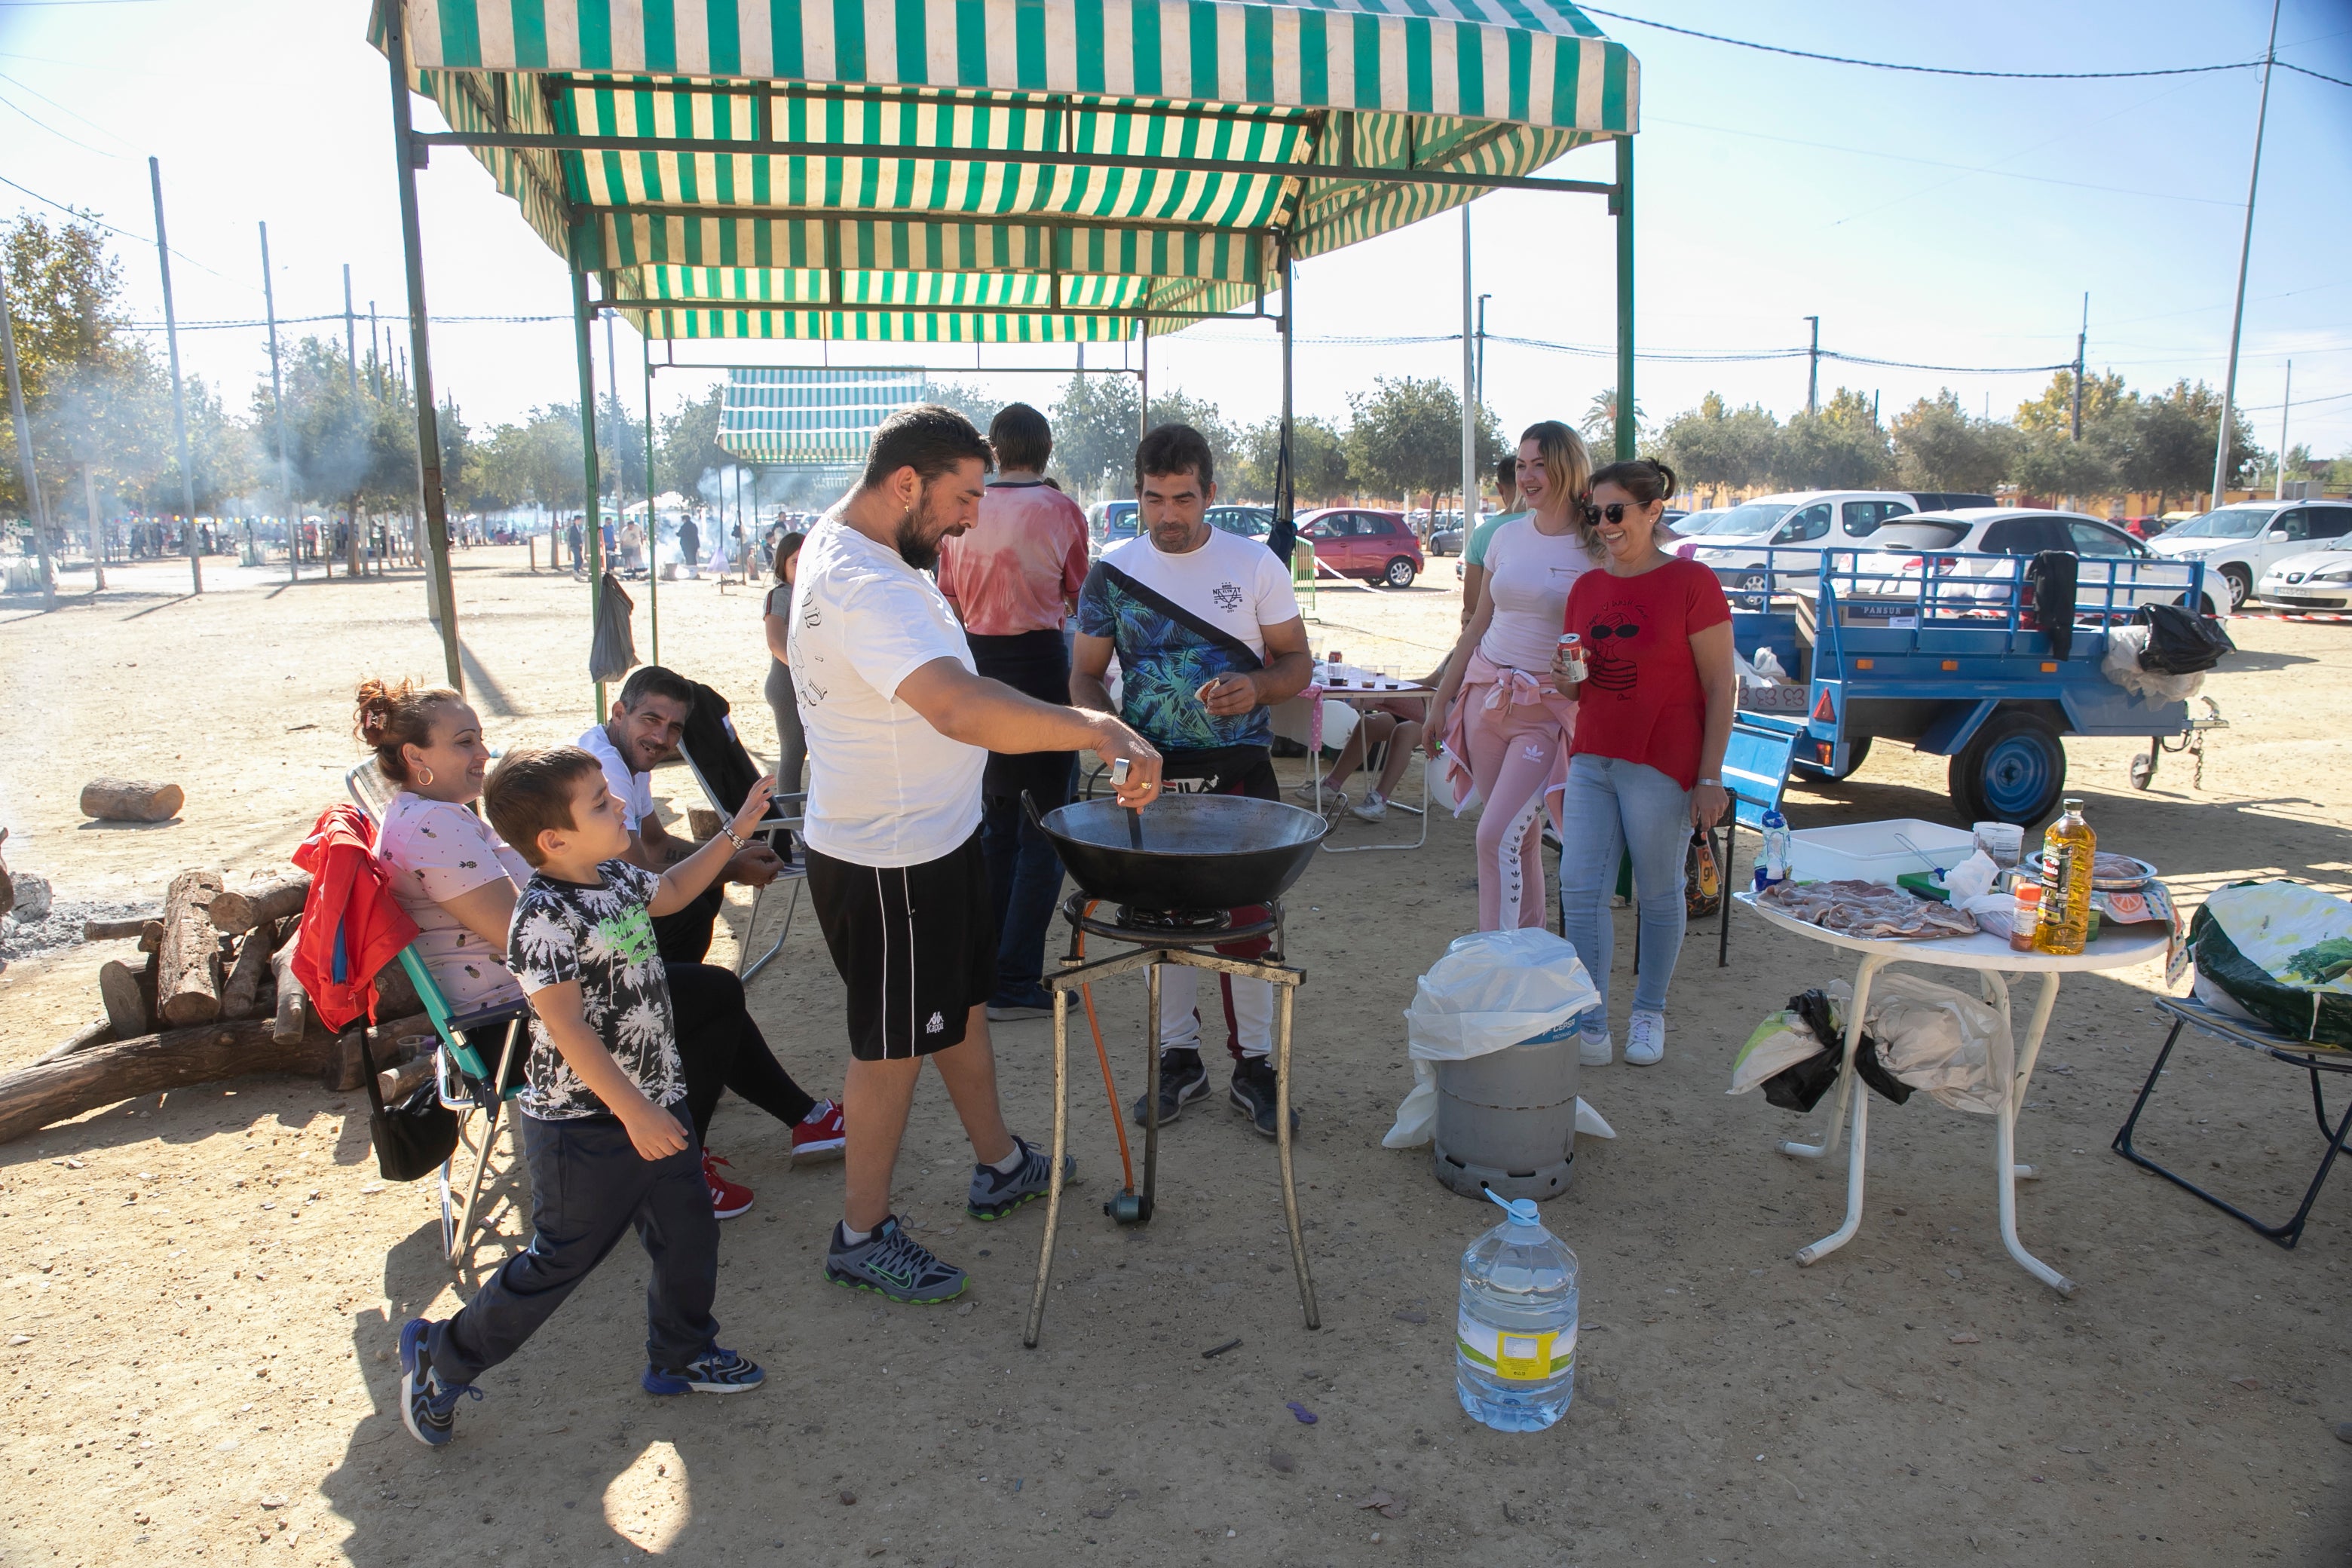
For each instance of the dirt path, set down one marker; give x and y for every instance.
(199, 1290)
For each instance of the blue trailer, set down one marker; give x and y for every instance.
(1950, 654)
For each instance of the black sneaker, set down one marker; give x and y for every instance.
(1182, 1077)
(891, 1263)
(428, 1407)
(995, 1194)
(1252, 1094)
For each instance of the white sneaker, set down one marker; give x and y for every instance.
(1645, 1038)
(1595, 1050)
(1372, 808)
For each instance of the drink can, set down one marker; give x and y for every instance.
(1571, 655)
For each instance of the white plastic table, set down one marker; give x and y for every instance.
(2118, 947)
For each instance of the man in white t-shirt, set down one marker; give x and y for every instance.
(899, 729)
(1209, 637)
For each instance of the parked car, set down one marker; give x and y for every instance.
(1110, 522)
(1249, 521)
(1981, 553)
(2240, 544)
(2315, 580)
(1796, 527)
(1357, 542)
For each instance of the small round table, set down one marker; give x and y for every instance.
(2118, 947)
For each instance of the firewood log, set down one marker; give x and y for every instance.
(293, 1012)
(397, 1083)
(126, 1003)
(240, 995)
(116, 930)
(125, 800)
(151, 936)
(36, 1096)
(239, 910)
(188, 981)
(100, 1033)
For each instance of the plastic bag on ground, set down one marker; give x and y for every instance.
(1492, 990)
(1955, 1047)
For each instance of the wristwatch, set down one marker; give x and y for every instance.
(733, 837)
(1717, 783)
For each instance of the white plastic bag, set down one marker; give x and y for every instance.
(1492, 990)
(1955, 1047)
(2124, 644)
(1779, 1043)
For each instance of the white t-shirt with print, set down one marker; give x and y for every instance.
(885, 788)
(634, 790)
(435, 852)
(1530, 573)
(1234, 583)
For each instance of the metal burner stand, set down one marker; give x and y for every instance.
(1166, 944)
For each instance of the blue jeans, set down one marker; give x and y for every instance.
(1023, 877)
(1611, 808)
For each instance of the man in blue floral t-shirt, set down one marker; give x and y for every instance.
(1209, 637)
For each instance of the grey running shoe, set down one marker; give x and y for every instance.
(891, 1263)
(1182, 1078)
(1252, 1094)
(716, 1371)
(995, 1194)
(427, 1406)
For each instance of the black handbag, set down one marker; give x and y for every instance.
(413, 1139)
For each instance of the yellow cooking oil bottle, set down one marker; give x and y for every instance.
(2067, 850)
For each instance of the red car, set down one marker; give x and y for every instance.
(1355, 543)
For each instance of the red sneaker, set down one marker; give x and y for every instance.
(819, 1134)
(726, 1198)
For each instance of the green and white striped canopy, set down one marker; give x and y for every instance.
(992, 171)
(798, 415)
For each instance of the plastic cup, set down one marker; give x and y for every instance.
(2002, 842)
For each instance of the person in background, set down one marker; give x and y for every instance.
(1395, 721)
(458, 880)
(1478, 537)
(690, 545)
(609, 534)
(1495, 710)
(776, 620)
(1012, 580)
(633, 547)
(574, 535)
(1209, 638)
(1653, 717)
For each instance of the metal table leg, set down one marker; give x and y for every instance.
(1849, 1091)
(2005, 1140)
(1871, 965)
(1282, 1143)
(1061, 1151)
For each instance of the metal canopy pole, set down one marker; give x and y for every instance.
(1622, 202)
(278, 402)
(653, 519)
(1469, 397)
(2245, 253)
(592, 532)
(428, 424)
(1284, 533)
(179, 404)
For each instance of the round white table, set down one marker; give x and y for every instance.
(2118, 947)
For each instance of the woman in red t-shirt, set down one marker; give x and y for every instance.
(1653, 716)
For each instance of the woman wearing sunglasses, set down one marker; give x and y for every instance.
(1653, 716)
(1500, 722)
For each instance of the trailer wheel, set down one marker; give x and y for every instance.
(2012, 771)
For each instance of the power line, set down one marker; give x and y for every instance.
(80, 215)
(1927, 71)
(2306, 70)
(329, 316)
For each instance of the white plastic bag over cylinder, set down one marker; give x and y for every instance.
(1492, 990)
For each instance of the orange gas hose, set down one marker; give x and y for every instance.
(1118, 1121)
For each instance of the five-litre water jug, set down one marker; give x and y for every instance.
(1515, 1333)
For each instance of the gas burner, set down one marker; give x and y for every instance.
(1166, 928)
(1176, 922)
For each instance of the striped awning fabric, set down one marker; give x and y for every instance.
(801, 417)
(995, 170)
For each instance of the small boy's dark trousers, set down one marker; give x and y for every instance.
(589, 1187)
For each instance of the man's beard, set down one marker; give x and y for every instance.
(917, 540)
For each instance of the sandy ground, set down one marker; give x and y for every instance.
(200, 1290)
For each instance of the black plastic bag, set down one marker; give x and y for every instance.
(613, 649)
(1800, 1087)
(2180, 641)
(414, 1138)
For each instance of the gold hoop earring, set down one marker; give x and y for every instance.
(427, 780)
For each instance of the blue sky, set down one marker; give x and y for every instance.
(1934, 220)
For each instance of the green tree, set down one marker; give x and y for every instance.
(2167, 449)
(973, 403)
(2049, 463)
(686, 448)
(1720, 447)
(1319, 453)
(1841, 447)
(1938, 446)
(1096, 423)
(1405, 436)
(1599, 425)
(2104, 399)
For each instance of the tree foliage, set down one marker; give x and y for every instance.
(1841, 447)
(1939, 446)
(1405, 436)
(1716, 446)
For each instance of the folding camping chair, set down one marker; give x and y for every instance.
(2190, 1013)
(724, 771)
(464, 1079)
(1755, 775)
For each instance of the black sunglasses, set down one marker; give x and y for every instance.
(1614, 512)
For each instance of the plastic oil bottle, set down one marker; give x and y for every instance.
(1515, 1333)
(2067, 850)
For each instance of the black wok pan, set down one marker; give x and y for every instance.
(1199, 851)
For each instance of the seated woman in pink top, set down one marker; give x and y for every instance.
(458, 882)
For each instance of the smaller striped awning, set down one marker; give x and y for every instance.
(805, 417)
(959, 170)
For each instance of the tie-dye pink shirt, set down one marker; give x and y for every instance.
(1016, 568)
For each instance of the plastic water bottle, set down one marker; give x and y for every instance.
(1772, 866)
(1514, 1333)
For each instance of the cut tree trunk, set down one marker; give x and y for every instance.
(36, 1096)
(241, 995)
(125, 999)
(116, 930)
(239, 910)
(188, 981)
(100, 1033)
(345, 1071)
(128, 800)
(293, 1002)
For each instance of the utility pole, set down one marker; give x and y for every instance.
(376, 356)
(32, 478)
(2245, 252)
(278, 402)
(2285, 409)
(179, 402)
(1469, 395)
(1813, 370)
(2082, 340)
(351, 333)
(1482, 349)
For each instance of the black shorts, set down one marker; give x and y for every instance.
(915, 944)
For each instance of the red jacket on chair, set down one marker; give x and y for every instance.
(352, 925)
